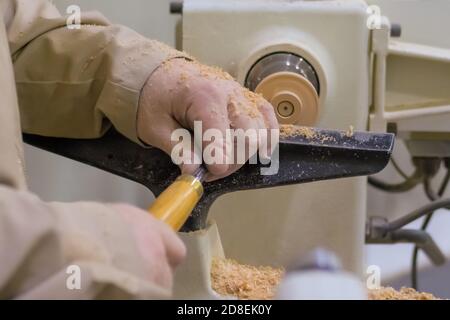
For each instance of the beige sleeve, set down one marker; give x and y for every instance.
(76, 82)
(39, 241)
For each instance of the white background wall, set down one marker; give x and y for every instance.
(55, 178)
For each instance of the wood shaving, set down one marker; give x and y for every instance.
(325, 138)
(350, 132)
(184, 77)
(230, 278)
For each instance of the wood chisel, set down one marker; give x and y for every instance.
(174, 205)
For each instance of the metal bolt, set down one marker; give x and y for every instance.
(396, 30)
(176, 7)
(285, 109)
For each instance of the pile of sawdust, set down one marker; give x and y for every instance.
(229, 278)
(403, 294)
(289, 130)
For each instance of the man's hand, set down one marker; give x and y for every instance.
(159, 246)
(180, 92)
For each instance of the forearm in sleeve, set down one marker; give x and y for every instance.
(39, 241)
(76, 82)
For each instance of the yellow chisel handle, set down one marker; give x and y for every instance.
(174, 205)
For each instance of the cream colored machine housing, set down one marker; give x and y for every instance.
(270, 227)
